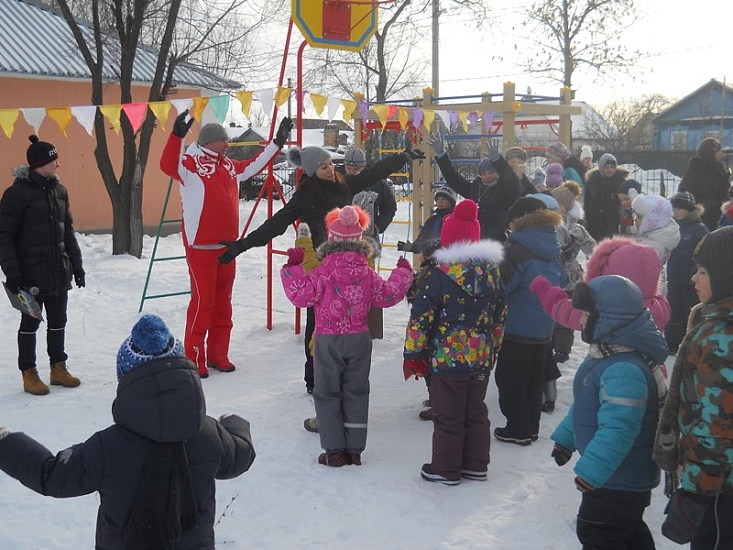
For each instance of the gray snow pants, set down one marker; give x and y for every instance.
(341, 392)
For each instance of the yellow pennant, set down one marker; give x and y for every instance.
(382, 110)
(463, 117)
(281, 95)
(160, 109)
(62, 117)
(199, 104)
(403, 115)
(319, 102)
(245, 98)
(8, 117)
(428, 117)
(112, 113)
(349, 106)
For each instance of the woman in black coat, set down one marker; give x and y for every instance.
(707, 179)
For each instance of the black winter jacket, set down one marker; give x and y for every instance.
(601, 204)
(707, 180)
(315, 198)
(37, 241)
(493, 201)
(159, 401)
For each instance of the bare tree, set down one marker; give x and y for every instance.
(627, 124)
(182, 31)
(578, 35)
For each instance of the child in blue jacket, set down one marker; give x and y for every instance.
(617, 393)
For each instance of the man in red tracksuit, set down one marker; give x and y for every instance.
(210, 196)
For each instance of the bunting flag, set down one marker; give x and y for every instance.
(473, 118)
(85, 116)
(161, 109)
(429, 116)
(319, 102)
(199, 104)
(62, 117)
(392, 110)
(220, 106)
(245, 98)
(265, 97)
(349, 106)
(112, 113)
(488, 121)
(363, 109)
(445, 117)
(135, 113)
(7, 120)
(382, 112)
(404, 117)
(281, 95)
(417, 116)
(182, 105)
(333, 104)
(34, 117)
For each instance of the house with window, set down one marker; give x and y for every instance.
(706, 112)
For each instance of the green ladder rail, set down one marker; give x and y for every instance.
(153, 258)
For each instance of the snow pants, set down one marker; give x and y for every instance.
(461, 427)
(341, 392)
(209, 317)
(55, 307)
(613, 520)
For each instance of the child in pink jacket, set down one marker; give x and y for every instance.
(342, 290)
(616, 256)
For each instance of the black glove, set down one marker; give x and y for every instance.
(234, 249)
(404, 246)
(180, 126)
(283, 132)
(13, 284)
(561, 454)
(414, 154)
(79, 279)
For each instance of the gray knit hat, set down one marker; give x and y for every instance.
(212, 132)
(557, 152)
(355, 157)
(308, 158)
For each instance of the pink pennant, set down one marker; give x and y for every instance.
(136, 113)
(392, 111)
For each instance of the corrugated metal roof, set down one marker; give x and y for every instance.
(36, 41)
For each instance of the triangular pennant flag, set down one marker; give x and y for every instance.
(34, 116)
(182, 104)
(429, 115)
(488, 121)
(453, 117)
(391, 112)
(84, 115)
(473, 118)
(382, 111)
(463, 117)
(112, 113)
(445, 117)
(8, 117)
(220, 105)
(160, 110)
(417, 116)
(245, 98)
(199, 104)
(265, 97)
(136, 113)
(403, 116)
(281, 95)
(349, 106)
(363, 109)
(62, 117)
(319, 102)
(333, 105)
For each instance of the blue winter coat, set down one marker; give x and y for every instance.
(615, 408)
(532, 249)
(680, 266)
(457, 319)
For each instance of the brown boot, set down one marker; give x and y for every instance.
(32, 384)
(60, 376)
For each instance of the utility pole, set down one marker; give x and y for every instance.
(436, 48)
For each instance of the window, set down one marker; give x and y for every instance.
(678, 140)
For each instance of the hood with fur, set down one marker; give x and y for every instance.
(621, 256)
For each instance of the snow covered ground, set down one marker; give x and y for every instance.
(286, 500)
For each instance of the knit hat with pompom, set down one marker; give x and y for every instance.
(150, 338)
(553, 175)
(346, 224)
(307, 158)
(462, 225)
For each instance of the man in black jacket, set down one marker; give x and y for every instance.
(38, 250)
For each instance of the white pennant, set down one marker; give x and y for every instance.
(34, 116)
(265, 97)
(85, 116)
(333, 105)
(182, 104)
(445, 117)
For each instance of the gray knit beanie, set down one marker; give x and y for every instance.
(606, 158)
(212, 132)
(308, 158)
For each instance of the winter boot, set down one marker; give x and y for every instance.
(60, 376)
(32, 384)
(353, 459)
(336, 459)
(311, 424)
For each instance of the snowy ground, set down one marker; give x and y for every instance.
(286, 500)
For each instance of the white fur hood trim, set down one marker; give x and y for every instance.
(485, 251)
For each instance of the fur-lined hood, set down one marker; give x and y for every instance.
(486, 251)
(23, 172)
(621, 256)
(538, 218)
(472, 266)
(364, 247)
(595, 170)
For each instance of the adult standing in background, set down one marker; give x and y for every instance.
(602, 206)
(707, 179)
(516, 157)
(495, 189)
(38, 248)
(573, 169)
(210, 196)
